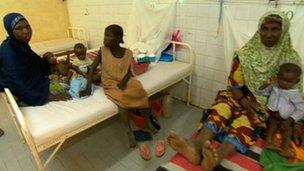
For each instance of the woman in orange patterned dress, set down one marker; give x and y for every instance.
(240, 103)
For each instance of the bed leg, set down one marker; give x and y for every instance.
(125, 119)
(18, 130)
(11, 112)
(189, 89)
(38, 160)
(167, 103)
(53, 153)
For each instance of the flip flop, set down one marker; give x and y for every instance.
(144, 151)
(160, 148)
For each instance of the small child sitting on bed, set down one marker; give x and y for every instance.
(285, 104)
(78, 82)
(51, 58)
(83, 63)
(61, 75)
(65, 77)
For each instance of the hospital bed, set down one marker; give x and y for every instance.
(52, 124)
(74, 35)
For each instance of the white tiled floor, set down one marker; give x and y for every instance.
(103, 147)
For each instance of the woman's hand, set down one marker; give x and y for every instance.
(247, 104)
(251, 107)
(238, 94)
(251, 113)
(298, 134)
(254, 105)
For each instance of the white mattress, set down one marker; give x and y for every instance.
(56, 119)
(57, 45)
(163, 74)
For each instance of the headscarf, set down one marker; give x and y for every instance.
(10, 21)
(21, 69)
(22, 49)
(260, 62)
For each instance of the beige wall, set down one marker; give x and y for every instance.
(49, 18)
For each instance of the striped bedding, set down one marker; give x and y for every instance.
(236, 161)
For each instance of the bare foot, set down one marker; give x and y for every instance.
(185, 148)
(210, 157)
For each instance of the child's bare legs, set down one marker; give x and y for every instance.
(146, 113)
(126, 123)
(213, 157)
(271, 129)
(190, 149)
(96, 78)
(286, 131)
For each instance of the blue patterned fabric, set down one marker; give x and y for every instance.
(77, 84)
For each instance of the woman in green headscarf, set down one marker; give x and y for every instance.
(240, 109)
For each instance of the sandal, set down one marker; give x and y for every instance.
(144, 151)
(154, 121)
(160, 148)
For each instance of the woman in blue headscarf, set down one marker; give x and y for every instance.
(21, 69)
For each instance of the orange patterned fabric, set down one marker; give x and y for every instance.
(236, 77)
(226, 108)
(241, 127)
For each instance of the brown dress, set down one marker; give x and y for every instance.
(113, 71)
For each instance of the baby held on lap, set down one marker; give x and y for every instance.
(64, 77)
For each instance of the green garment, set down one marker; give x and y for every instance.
(272, 161)
(260, 62)
(58, 85)
(57, 88)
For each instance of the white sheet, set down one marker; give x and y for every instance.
(56, 119)
(163, 74)
(57, 45)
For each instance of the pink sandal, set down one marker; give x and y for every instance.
(144, 151)
(160, 148)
